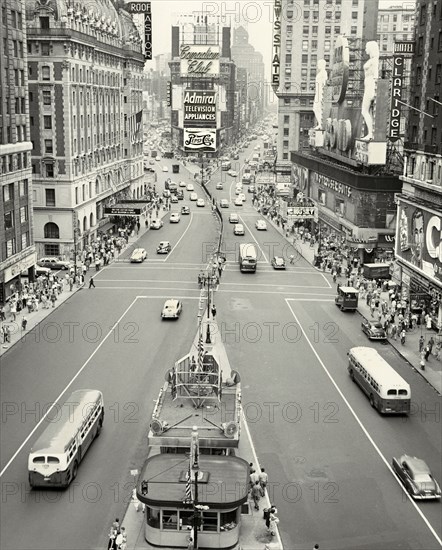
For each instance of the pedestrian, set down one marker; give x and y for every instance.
(273, 524)
(137, 504)
(71, 283)
(263, 478)
(213, 310)
(422, 360)
(428, 322)
(24, 322)
(421, 343)
(53, 298)
(13, 310)
(2, 314)
(256, 494)
(403, 334)
(431, 344)
(427, 352)
(394, 331)
(91, 283)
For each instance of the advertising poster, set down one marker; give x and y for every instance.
(199, 108)
(199, 60)
(199, 139)
(419, 240)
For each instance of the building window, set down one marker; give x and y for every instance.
(327, 30)
(288, 58)
(326, 45)
(49, 169)
(321, 197)
(304, 58)
(315, 29)
(314, 45)
(46, 97)
(24, 240)
(45, 72)
(52, 250)
(286, 132)
(285, 144)
(306, 15)
(23, 214)
(285, 156)
(305, 45)
(47, 122)
(339, 206)
(9, 219)
(45, 49)
(286, 119)
(354, 14)
(49, 146)
(44, 22)
(304, 73)
(423, 14)
(10, 248)
(51, 231)
(8, 192)
(50, 197)
(286, 101)
(23, 187)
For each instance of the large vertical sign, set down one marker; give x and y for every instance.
(276, 44)
(199, 108)
(396, 97)
(144, 8)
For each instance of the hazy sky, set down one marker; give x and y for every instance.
(257, 14)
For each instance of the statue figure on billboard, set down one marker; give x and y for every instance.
(371, 70)
(318, 103)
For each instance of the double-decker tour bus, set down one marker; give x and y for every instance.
(387, 391)
(55, 456)
(247, 257)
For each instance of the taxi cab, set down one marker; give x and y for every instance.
(172, 309)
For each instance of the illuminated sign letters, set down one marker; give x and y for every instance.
(276, 44)
(199, 61)
(396, 97)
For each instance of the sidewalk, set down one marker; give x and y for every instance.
(409, 351)
(254, 535)
(36, 317)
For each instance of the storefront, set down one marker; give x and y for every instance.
(23, 266)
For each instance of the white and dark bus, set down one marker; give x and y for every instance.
(247, 257)
(387, 391)
(55, 456)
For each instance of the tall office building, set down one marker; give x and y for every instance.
(85, 70)
(395, 24)
(17, 250)
(419, 228)
(307, 33)
(246, 57)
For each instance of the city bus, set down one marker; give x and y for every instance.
(55, 456)
(387, 391)
(247, 257)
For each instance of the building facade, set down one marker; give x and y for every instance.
(395, 24)
(419, 230)
(246, 57)
(203, 85)
(85, 67)
(17, 250)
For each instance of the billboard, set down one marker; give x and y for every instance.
(419, 239)
(199, 108)
(199, 60)
(199, 139)
(276, 44)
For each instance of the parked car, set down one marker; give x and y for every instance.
(416, 477)
(138, 255)
(261, 225)
(172, 309)
(374, 330)
(233, 218)
(200, 202)
(156, 224)
(224, 203)
(42, 271)
(174, 217)
(185, 210)
(193, 197)
(278, 262)
(54, 263)
(164, 247)
(190, 187)
(238, 229)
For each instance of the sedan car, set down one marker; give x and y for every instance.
(373, 330)
(200, 202)
(193, 197)
(164, 247)
(224, 203)
(242, 197)
(190, 187)
(278, 262)
(138, 255)
(238, 229)
(42, 271)
(233, 218)
(172, 309)
(180, 195)
(174, 217)
(233, 173)
(182, 184)
(165, 169)
(54, 263)
(156, 224)
(173, 199)
(416, 476)
(238, 201)
(185, 210)
(219, 185)
(261, 225)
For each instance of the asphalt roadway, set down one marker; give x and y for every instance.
(326, 450)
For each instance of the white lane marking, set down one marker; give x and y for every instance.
(325, 278)
(253, 237)
(66, 387)
(148, 281)
(363, 428)
(179, 240)
(274, 285)
(123, 265)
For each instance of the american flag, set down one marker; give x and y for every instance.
(188, 497)
(200, 351)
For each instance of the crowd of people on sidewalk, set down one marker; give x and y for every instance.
(258, 482)
(117, 537)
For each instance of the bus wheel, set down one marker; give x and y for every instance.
(371, 400)
(74, 470)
